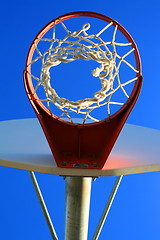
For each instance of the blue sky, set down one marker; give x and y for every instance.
(136, 212)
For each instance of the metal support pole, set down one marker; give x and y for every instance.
(78, 190)
(107, 207)
(43, 206)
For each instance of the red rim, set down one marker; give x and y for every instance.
(82, 14)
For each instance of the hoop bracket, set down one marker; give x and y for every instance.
(78, 145)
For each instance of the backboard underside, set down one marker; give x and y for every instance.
(23, 146)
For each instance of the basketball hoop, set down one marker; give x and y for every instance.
(117, 67)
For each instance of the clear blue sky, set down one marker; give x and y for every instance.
(136, 211)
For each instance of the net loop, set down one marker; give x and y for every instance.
(85, 27)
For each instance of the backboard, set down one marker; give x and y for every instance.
(24, 146)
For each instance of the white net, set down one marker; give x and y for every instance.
(82, 45)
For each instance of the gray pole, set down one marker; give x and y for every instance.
(78, 190)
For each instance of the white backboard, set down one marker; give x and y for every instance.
(23, 146)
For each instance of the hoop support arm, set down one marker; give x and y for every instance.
(81, 145)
